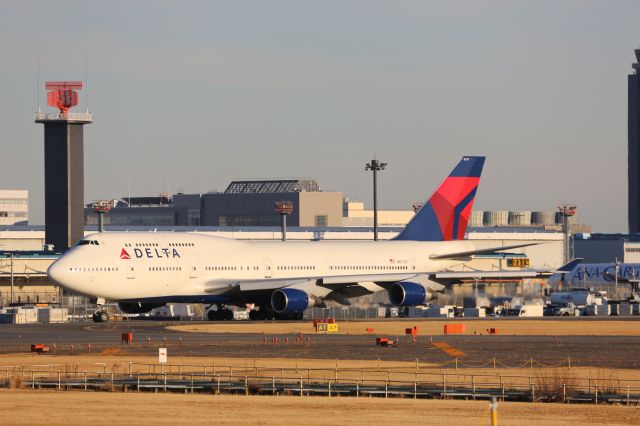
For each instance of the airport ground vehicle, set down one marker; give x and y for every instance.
(565, 310)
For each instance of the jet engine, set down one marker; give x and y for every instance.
(289, 301)
(138, 307)
(407, 293)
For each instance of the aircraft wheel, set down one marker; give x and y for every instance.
(253, 315)
(212, 315)
(100, 316)
(227, 315)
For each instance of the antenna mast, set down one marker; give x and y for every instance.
(86, 83)
(38, 78)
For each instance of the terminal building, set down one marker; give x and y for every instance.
(181, 210)
(243, 203)
(252, 203)
(14, 207)
(607, 248)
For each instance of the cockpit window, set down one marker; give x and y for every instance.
(88, 242)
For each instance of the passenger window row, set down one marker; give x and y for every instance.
(368, 268)
(231, 268)
(296, 268)
(95, 269)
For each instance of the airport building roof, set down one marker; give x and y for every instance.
(151, 228)
(268, 186)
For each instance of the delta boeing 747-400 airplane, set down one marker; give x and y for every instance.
(145, 270)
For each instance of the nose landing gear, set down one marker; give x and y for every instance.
(100, 315)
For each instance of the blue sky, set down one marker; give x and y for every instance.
(189, 95)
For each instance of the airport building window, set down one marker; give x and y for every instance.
(321, 220)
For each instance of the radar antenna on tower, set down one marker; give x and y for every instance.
(62, 94)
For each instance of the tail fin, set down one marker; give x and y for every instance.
(569, 266)
(446, 214)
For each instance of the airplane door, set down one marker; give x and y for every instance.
(412, 264)
(131, 272)
(193, 269)
(266, 263)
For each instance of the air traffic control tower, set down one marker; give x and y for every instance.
(63, 165)
(633, 128)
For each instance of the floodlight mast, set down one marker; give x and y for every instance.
(375, 166)
(101, 208)
(284, 208)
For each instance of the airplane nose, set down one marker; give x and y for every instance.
(56, 272)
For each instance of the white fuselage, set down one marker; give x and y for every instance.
(170, 265)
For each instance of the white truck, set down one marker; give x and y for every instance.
(528, 311)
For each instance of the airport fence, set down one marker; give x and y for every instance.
(545, 385)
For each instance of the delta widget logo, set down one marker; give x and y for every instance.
(151, 253)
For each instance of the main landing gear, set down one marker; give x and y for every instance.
(262, 314)
(220, 314)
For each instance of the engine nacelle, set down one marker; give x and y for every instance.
(138, 307)
(406, 293)
(289, 301)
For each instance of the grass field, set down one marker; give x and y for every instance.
(432, 327)
(320, 368)
(19, 407)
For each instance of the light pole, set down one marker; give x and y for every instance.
(284, 208)
(11, 302)
(101, 207)
(375, 166)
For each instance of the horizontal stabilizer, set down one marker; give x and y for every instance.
(469, 253)
(480, 275)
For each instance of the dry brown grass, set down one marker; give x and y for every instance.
(319, 369)
(608, 381)
(554, 384)
(21, 407)
(432, 327)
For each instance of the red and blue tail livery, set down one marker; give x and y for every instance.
(445, 216)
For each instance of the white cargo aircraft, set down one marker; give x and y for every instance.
(145, 270)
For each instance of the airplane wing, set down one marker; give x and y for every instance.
(267, 284)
